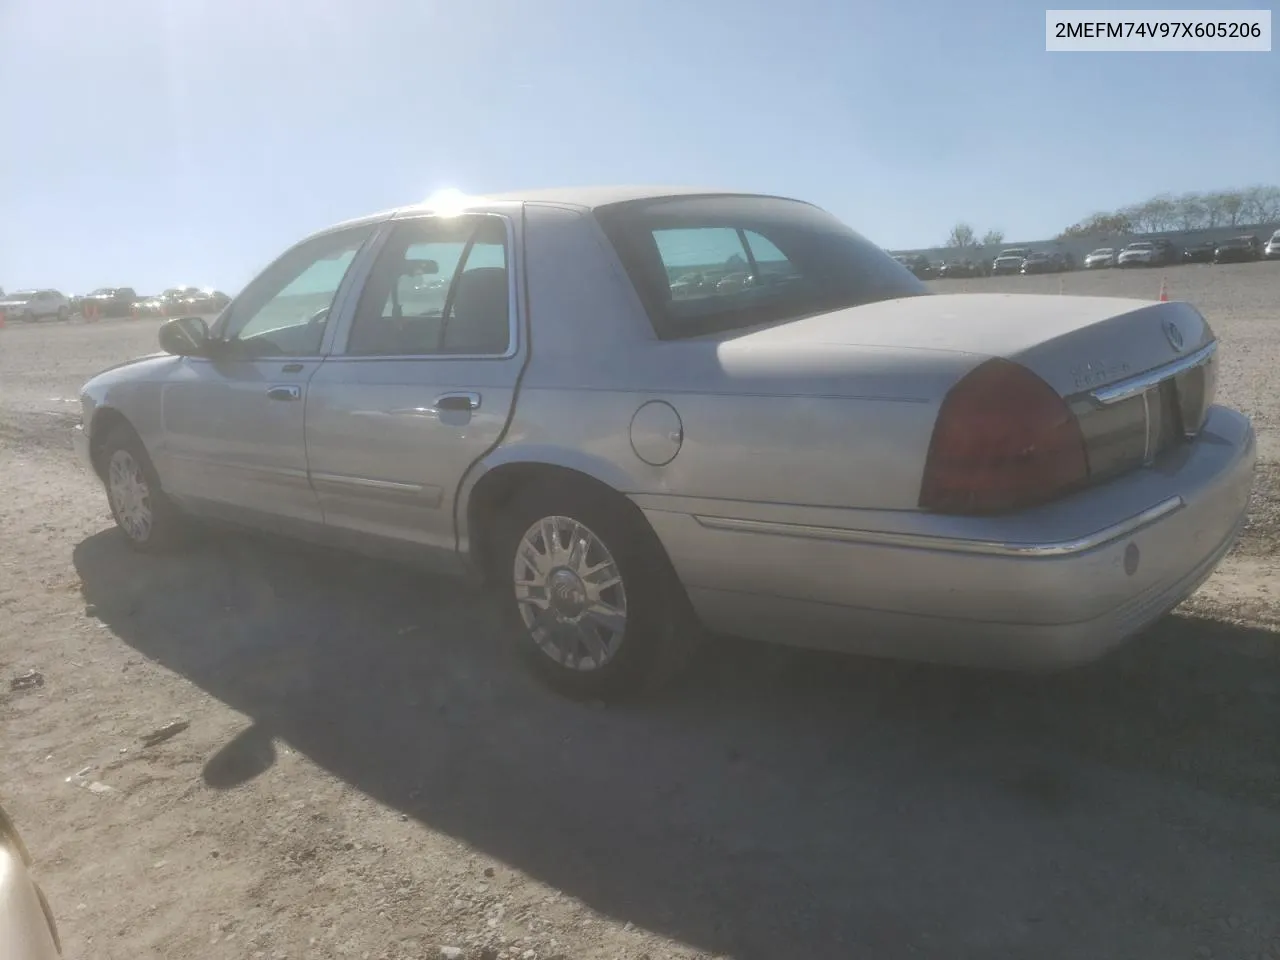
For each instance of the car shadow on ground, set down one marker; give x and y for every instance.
(780, 803)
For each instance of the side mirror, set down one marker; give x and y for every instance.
(185, 337)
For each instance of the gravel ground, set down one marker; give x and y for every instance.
(365, 775)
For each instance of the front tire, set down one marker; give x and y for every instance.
(596, 610)
(142, 511)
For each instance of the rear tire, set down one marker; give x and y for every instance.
(150, 521)
(596, 610)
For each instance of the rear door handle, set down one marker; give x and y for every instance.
(463, 400)
(284, 391)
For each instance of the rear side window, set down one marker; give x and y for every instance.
(439, 287)
(706, 264)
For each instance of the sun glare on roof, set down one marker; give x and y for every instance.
(448, 201)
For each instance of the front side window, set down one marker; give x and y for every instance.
(706, 264)
(283, 311)
(439, 288)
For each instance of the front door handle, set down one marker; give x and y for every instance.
(284, 391)
(463, 400)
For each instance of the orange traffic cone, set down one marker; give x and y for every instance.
(1164, 290)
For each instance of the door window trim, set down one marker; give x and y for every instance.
(515, 283)
(354, 278)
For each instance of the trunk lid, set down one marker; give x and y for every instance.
(1074, 343)
(1139, 375)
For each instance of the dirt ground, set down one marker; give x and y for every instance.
(365, 774)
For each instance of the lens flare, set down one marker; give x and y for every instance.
(448, 201)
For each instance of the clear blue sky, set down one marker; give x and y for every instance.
(156, 142)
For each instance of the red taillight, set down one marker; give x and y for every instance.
(1004, 439)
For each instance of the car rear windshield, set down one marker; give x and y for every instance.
(708, 264)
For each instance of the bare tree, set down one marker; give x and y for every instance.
(1099, 223)
(1261, 204)
(1191, 211)
(1232, 203)
(993, 238)
(1161, 212)
(1214, 211)
(1270, 201)
(961, 236)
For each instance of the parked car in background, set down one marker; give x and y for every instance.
(205, 301)
(958, 269)
(1100, 259)
(1040, 262)
(1140, 253)
(1238, 250)
(689, 285)
(1272, 249)
(922, 267)
(1009, 261)
(170, 303)
(837, 457)
(33, 305)
(110, 301)
(27, 927)
(1199, 252)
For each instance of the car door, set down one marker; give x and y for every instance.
(233, 439)
(420, 384)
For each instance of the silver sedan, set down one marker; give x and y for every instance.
(827, 455)
(27, 927)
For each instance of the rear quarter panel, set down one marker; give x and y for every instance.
(827, 428)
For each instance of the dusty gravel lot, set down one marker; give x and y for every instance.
(365, 775)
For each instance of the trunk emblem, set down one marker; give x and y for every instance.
(1174, 334)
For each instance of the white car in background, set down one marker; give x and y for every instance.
(32, 305)
(1009, 261)
(1100, 259)
(27, 928)
(1272, 250)
(1141, 253)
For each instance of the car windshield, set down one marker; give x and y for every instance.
(1236, 242)
(21, 295)
(1103, 252)
(1141, 246)
(763, 260)
(103, 291)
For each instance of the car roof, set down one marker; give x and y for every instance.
(582, 198)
